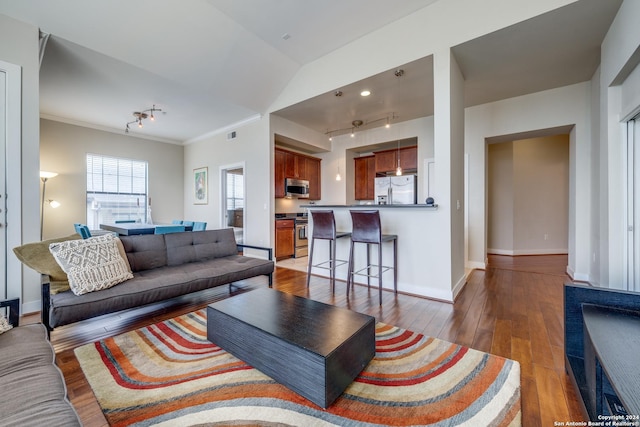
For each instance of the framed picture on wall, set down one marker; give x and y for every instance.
(200, 190)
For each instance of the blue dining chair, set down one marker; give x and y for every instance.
(176, 222)
(187, 223)
(82, 230)
(165, 229)
(199, 226)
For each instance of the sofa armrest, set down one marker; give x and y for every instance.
(269, 250)
(14, 310)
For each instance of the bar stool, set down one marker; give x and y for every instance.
(366, 229)
(324, 228)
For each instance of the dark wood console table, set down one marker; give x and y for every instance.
(314, 349)
(612, 357)
(602, 349)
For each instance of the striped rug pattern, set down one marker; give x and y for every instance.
(168, 374)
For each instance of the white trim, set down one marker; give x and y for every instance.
(518, 252)
(577, 276)
(13, 174)
(459, 286)
(225, 129)
(476, 265)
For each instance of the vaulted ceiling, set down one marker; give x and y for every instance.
(209, 64)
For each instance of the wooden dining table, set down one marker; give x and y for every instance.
(132, 228)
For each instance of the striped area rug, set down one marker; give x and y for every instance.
(168, 374)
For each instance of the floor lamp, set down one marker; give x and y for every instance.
(44, 177)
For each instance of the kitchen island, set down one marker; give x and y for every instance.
(422, 269)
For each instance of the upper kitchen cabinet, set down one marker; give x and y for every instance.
(279, 161)
(387, 160)
(289, 164)
(295, 166)
(409, 158)
(314, 177)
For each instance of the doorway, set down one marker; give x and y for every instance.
(528, 196)
(233, 200)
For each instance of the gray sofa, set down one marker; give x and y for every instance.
(164, 266)
(34, 390)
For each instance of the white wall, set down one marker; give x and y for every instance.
(619, 58)
(252, 148)
(20, 47)
(500, 205)
(63, 149)
(566, 106)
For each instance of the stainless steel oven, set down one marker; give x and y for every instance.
(301, 241)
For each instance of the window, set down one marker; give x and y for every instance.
(235, 189)
(116, 190)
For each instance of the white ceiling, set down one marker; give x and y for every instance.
(210, 64)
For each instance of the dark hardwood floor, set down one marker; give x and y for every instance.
(513, 309)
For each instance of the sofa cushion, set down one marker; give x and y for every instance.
(91, 264)
(188, 247)
(145, 252)
(35, 390)
(155, 285)
(36, 255)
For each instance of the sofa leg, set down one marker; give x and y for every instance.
(46, 305)
(270, 280)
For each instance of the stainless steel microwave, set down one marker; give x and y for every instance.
(296, 188)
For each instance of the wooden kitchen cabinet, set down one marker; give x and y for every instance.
(364, 174)
(288, 164)
(285, 234)
(314, 177)
(409, 158)
(387, 160)
(279, 160)
(295, 165)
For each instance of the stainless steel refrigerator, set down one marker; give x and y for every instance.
(396, 190)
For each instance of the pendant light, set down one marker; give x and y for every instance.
(399, 168)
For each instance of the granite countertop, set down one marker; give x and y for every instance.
(372, 206)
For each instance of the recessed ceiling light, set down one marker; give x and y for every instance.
(365, 93)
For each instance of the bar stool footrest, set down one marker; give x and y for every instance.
(338, 263)
(372, 266)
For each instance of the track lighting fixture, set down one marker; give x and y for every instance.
(357, 124)
(142, 115)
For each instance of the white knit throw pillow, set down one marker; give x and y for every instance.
(4, 324)
(91, 264)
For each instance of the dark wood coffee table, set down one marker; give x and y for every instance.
(312, 348)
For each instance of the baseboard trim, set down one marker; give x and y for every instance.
(31, 307)
(520, 252)
(577, 277)
(476, 265)
(459, 286)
